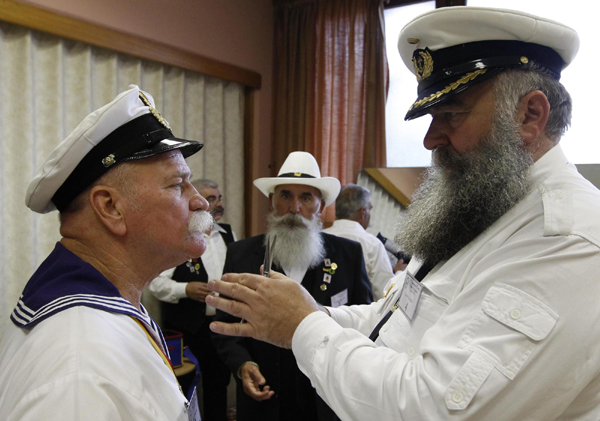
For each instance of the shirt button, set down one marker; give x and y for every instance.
(515, 314)
(457, 397)
(411, 351)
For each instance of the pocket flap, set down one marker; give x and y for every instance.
(519, 311)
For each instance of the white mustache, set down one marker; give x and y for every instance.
(201, 221)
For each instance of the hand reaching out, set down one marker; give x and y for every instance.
(272, 307)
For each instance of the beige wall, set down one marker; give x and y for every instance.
(238, 32)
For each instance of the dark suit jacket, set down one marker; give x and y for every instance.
(188, 315)
(295, 398)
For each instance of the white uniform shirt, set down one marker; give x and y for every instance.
(505, 330)
(377, 262)
(100, 366)
(166, 289)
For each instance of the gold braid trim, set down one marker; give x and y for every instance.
(466, 78)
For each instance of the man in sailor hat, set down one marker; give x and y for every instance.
(81, 345)
(329, 268)
(495, 316)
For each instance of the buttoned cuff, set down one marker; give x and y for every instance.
(179, 290)
(312, 333)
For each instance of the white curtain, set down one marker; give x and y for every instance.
(48, 85)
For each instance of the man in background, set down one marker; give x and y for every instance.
(352, 216)
(182, 291)
(329, 268)
(81, 345)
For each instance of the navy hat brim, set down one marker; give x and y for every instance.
(450, 71)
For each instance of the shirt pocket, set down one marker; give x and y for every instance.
(504, 334)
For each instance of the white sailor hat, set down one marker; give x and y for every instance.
(301, 168)
(126, 129)
(452, 48)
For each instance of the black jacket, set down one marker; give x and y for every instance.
(295, 398)
(188, 315)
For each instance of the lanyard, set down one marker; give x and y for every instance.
(159, 350)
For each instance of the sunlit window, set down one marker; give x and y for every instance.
(581, 143)
(404, 139)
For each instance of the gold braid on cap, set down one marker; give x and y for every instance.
(154, 111)
(465, 79)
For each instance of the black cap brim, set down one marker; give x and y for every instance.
(142, 137)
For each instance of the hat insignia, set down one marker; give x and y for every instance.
(109, 161)
(155, 112)
(423, 64)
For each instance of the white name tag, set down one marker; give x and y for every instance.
(410, 296)
(339, 299)
(193, 410)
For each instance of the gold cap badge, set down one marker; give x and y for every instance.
(423, 64)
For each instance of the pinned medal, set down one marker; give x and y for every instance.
(323, 287)
(193, 265)
(330, 267)
(327, 278)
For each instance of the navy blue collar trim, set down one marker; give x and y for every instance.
(64, 281)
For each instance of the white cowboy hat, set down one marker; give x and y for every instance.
(301, 168)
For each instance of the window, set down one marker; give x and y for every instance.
(404, 139)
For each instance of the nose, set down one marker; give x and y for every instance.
(197, 202)
(295, 206)
(436, 136)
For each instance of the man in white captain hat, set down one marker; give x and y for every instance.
(495, 317)
(329, 268)
(81, 345)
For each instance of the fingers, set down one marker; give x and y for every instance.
(232, 329)
(233, 307)
(250, 280)
(253, 381)
(197, 291)
(255, 393)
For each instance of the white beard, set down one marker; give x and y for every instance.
(299, 240)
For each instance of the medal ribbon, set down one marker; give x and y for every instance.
(159, 350)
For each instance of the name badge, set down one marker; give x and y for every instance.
(193, 410)
(409, 296)
(339, 299)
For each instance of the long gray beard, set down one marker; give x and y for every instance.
(462, 195)
(201, 221)
(299, 240)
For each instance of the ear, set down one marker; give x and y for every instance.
(532, 115)
(271, 207)
(107, 205)
(322, 206)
